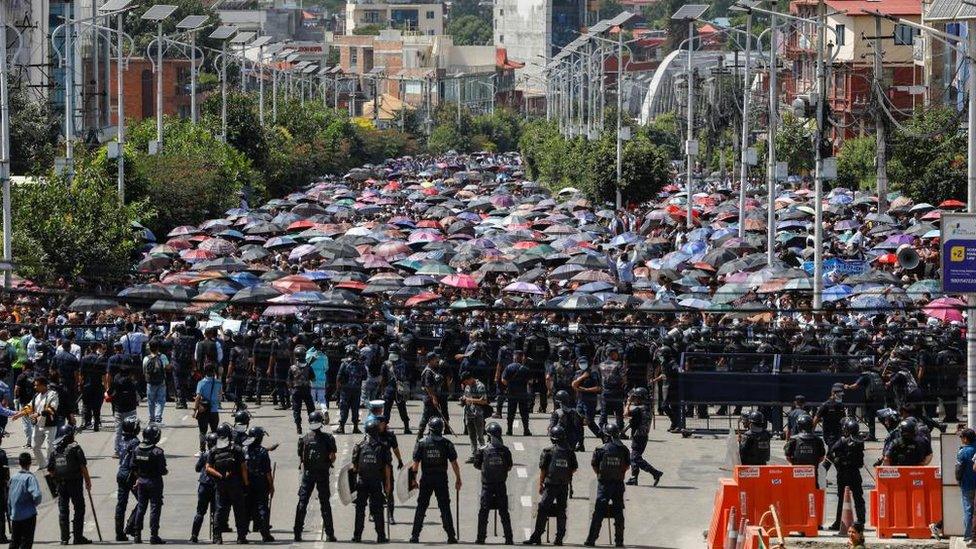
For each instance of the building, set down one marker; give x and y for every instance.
(851, 74)
(425, 18)
(944, 69)
(139, 88)
(423, 71)
(532, 31)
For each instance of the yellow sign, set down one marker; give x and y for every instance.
(957, 254)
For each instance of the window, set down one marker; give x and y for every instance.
(840, 37)
(430, 14)
(501, 12)
(353, 57)
(501, 38)
(904, 35)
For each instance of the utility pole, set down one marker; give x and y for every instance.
(879, 122)
(69, 96)
(620, 106)
(5, 150)
(818, 150)
(744, 139)
(120, 123)
(771, 142)
(690, 145)
(971, 208)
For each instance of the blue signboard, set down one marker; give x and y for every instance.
(959, 252)
(842, 266)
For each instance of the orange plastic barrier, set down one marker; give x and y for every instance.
(726, 497)
(792, 489)
(906, 501)
(756, 537)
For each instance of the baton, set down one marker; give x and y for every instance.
(91, 502)
(457, 512)
(496, 523)
(547, 529)
(609, 534)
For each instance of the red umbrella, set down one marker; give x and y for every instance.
(352, 285)
(197, 255)
(952, 204)
(946, 309)
(301, 225)
(888, 259)
(460, 281)
(295, 283)
(422, 298)
(179, 243)
(933, 215)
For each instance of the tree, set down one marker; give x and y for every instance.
(73, 231)
(143, 31)
(928, 157)
(470, 30)
(856, 163)
(367, 30)
(34, 132)
(794, 144)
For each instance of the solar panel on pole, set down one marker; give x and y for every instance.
(114, 5)
(689, 12)
(159, 12)
(260, 41)
(243, 37)
(223, 32)
(191, 22)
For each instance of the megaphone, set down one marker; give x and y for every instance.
(908, 258)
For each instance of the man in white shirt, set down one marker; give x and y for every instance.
(43, 414)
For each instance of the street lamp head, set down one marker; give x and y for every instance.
(243, 37)
(192, 22)
(114, 6)
(260, 41)
(223, 32)
(689, 12)
(159, 12)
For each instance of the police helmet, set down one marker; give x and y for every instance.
(436, 426)
(377, 328)
(130, 426)
(888, 417)
(851, 427)
(66, 434)
(315, 420)
(242, 419)
(67, 333)
(804, 423)
(757, 421)
(557, 434)
(372, 427)
(564, 351)
(256, 434)
(211, 440)
(151, 434)
(862, 336)
(908, 429)
(299, 353)
(225, 431)
(640, 394)
(494, 430)
(278, 327)
(612, 430)
(562, 397)
(190, 321)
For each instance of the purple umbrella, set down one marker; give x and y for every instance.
(523, 288)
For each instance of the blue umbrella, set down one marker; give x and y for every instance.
(841, 199)
(838, 292)
(693, 248)
(624, 239)
(317, 275)
(594, 287)
(870, 302)
(699, 234)
(722, 233)
(245, 278)
(673, 260)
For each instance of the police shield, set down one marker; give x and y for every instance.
(343, 486)
(404, 479)
(732, 457)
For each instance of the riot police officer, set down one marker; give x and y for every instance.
(613, 379)
(123, 480)
(432, 382)
(225, 464)
(847, 454)
(557, 465)
(754, 443)
(494, 460)
(566, 416)
(562, 372)
(317, 454)
(69, 467)
(387, 437)
(610, 463)
(242, 422)
(261, 483)
(299, 382)
(149, 467)
(830, 415)
(206, 490)
(349, 382)
(805, 448)
(639, 412)
(907, 449)
(588, 388)
(372, 464)
(431, 456)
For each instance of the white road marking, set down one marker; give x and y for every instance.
(526, 501)
(522, 472)
(185, 417)
(519, 447)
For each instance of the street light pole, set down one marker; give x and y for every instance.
(690, 111)
(261, 83)
(120, 123)
(159, 87)
(620, 105)
(193, 77)
(69, 95)
(5, 151)
(771, 144)
(223, 91)
(971, 208)
(744, 147)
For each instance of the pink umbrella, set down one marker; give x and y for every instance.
(946, 309)
(392, 248)
(523, 288)
(295, 283)
(460, 281)
(197, 255)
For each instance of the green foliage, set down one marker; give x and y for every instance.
(470, 30)
(855, 163)
(242, 124)
(499, 131)
(928, 157)
(34, 132)
(590, 166)
(367, 30)
(144, 31)
(663, 131)
(73, 231)
(794, 144)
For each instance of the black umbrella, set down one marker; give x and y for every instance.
(255, 294)
(92, 304)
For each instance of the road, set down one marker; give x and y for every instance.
(673, 514)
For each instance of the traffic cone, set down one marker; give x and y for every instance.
(731, 534)
(741, 541)
(847, 511)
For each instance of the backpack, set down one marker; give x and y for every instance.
(183, 349)
(224, 460)
(559, 471)
(610, 375)
(875, 391)
(368, 465)
(316, 458)
(154, 370)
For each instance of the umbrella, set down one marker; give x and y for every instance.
(946, 309)
(422, 298)
(168, 306)
(523, 288)
(592, 276)
(92, 304)
(145, 291)
(295, 283)
(435, 268)
(255, 294)
(460, 281)
(837, 292)
(218, 246)
(928, 286)
(695, 303)
(467, 304)
(339, 298)
(580, 301)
